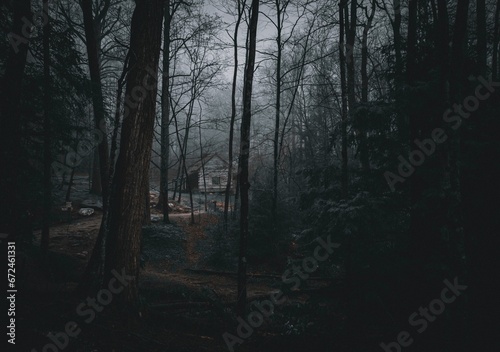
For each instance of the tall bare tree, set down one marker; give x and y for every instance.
(281, 6)
(165, 115)
(244, 157)
(240, 10)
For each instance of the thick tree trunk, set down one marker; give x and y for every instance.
(126, 207)
(244, 156)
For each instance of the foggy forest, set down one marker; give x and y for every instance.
(250, 175)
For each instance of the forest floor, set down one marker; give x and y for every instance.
(188, 300)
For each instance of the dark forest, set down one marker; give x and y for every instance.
(250, 175)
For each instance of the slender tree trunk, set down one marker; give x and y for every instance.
(68, 192)
(277, 108)
(186, 136)
(237, 189)
(147, 210)
(91, 40)
(344, 169)
(350, 25)
(495, 68)
(180, 171)
(190, 192)
(92, 276)
(96, 175)
(241, 8)
(481, 35)
(396, 27)
(47, 141)
(165, 116)
(178, 174)
(364, 55)
(238, 179)
(183, 144)
(350, 21)
(244, 155)
(411, 72)
(132, 167)
(401, 120)
(202, 165)
(117, 120)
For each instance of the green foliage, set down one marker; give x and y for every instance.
(271, 237)
(223, 247)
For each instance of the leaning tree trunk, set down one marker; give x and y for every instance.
(244, 156)
(126, 207)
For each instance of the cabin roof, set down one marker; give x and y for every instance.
(197, 165)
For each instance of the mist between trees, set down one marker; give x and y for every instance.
(221, 138)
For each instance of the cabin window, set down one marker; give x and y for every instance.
(216, 180)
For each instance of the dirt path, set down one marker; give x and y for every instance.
(195, 232)
(188, 302)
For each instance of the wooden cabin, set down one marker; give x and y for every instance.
(210, 174)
